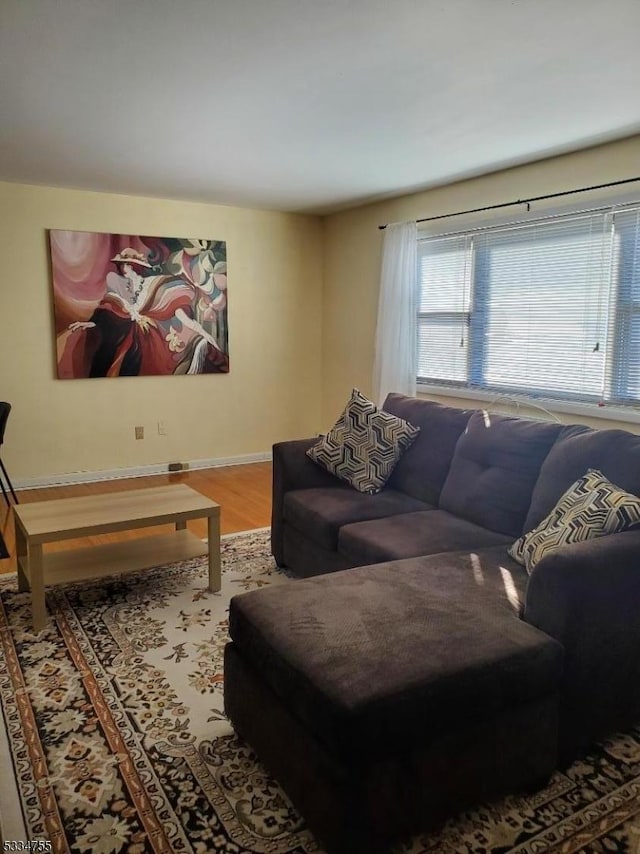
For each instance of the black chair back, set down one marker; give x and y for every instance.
(5, 409)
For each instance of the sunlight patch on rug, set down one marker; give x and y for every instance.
(114, 726)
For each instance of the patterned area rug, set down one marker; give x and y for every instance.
(116, 735)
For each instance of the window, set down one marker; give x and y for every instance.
(547, 309)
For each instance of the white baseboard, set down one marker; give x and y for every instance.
(133, 471)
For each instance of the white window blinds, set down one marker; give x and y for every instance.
(625, 362)
(444, 281)
(548, 308)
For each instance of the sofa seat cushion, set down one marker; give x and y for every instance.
(494, 470)
(320, 513)
(385, 656)
(412, 534)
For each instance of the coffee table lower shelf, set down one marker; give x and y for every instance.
(113, 558)
(40, 523)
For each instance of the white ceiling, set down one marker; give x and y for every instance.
(306, 105)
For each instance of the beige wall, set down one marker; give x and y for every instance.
(353, 243)
(302, 313)
(271, 392)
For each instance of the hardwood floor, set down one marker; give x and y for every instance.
(243, 493)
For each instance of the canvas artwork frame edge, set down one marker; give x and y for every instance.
(138, 305)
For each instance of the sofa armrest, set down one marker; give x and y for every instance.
(601, 575)
(587, 596)
(292, 469)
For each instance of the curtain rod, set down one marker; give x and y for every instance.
(525, 201)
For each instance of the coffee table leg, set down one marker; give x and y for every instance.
(22, 557)
(180, 526)
(213, 526)
(38, 604)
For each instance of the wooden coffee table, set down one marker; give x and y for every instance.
(51, 521)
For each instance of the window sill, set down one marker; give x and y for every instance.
(587, 410)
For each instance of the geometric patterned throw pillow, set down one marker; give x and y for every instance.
(591, 507)
(364, 445)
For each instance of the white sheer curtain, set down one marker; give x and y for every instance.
(395, 356)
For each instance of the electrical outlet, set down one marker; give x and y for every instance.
(139, 432)
(162, 428)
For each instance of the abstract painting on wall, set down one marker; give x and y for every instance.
(128, 306)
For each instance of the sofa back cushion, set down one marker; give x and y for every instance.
(494, 469)
(616, 453)
(424, 466)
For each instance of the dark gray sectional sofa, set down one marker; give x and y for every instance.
(435, 672)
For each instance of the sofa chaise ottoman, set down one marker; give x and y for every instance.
(381, 704)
